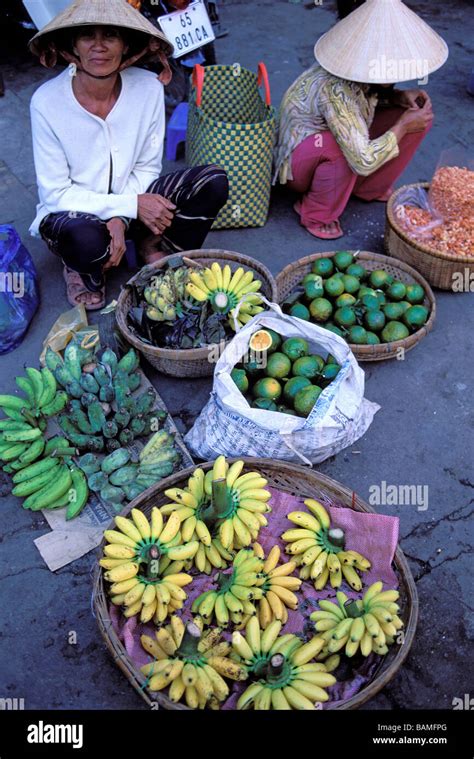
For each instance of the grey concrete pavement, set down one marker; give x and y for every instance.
(421, 436)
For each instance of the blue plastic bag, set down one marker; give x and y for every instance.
(19, 293)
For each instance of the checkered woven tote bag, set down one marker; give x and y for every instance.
(231, 125)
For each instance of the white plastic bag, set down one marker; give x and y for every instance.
(229, 425)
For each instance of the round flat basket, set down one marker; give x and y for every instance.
(297, 481)
(292, 275)
(439, 269)
(188, 362)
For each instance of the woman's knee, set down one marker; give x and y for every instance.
(218, 182)
(87, 240)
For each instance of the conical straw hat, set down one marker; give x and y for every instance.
(382, 42)
(100, 13)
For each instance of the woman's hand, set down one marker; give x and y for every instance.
(417, 119)
(413, 120)
(116, 229)
(412, 98)
(156, 212)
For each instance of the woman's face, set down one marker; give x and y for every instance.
(100, 49)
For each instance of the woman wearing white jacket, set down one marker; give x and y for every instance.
(98, 132)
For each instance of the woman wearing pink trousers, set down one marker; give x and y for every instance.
(344, 129)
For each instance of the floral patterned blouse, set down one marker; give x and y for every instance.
(318, 101)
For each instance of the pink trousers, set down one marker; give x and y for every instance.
(322, 174)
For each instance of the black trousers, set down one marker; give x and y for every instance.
(82, 240)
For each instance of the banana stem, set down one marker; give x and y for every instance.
(220, 302)
(276, 664)
(352, 609)
(219, 506)
(153, 567)
(189, 645)
(337, 537)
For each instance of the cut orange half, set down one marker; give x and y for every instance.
(260, 341)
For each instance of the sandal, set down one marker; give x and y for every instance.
(76, 288)
(318, 230)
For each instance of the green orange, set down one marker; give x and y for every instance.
(415, 317)
(265, 404)
(324, 267)
(267, 387)
(380, 278)
(276, 340)
(278, 365)
(394, 331)
(357, 270)
(300, 311)
(374, 320)
(415, 294)
(330, 371)
(332, 328)
(306, 399)
(293, 386)
(334, 286)
(357, 335)
(393, 311)
(343, 259)
(345, 317)
(351, 284)
(313, 289)
(396, 291)
(308, 366)
(320, 309)
(372, 338)
(241, 380)
(345, 300)
(295, 347)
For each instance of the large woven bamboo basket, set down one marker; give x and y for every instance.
(297, 481)
(292, 275)
(189, 362)
(440, 269)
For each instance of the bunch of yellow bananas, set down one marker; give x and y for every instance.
(285, 678)
(191, 664)
(369, 624)
(319, 549)
(277, 587)
(144, 563)
(224, 290)
(221, 511)
(234, 596)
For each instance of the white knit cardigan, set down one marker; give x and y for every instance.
(88, 164)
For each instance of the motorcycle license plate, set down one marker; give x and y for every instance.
(188, 30)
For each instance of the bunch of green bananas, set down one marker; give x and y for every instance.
(224, 290)
(42, 470)
(102, 413)
(41, 398)
(281, 670)
(144, 561)
(46, 477)
(191, 664)
(164, 294)
(223, 510)
(369, 624)
(235, 592)
(277, 587)
(319, 550)
(117, 478)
